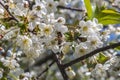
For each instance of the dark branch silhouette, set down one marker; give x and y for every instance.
(45, 69)
(70, 8)
(91, 54)
(59, 7)
(61, 68)
(40, 61)
(6, 8)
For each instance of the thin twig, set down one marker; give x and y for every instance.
(40, 62)
(69, 8)
(8, 11)
(61, 68)
(59, 6)
(91, 54)
(43, 60)
(45, 69)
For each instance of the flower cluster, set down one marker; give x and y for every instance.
(30, 28)
(91, 31)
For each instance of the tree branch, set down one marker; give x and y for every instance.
(59, 6)
(41, 61)
(69, 8)
(61, 68)
(91, 54)
(6, 8)
(46, 69)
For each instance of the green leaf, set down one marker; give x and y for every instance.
(7, 23)
(90, 64)
(109, 21)
(117, 48)
(102, 58)
(110, 11)
(23, 27)
(89, 9)
(107, 16)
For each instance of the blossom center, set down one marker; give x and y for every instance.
(38, 8)
(50, 5)
(82, 50)
(85, 28)
(47, 30)
(94, 42)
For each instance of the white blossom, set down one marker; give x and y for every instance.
(51, 5)
(39, 8)
(47, 30)
(61, 28)
(9, 62)
(85, 28)
(81, 49)
(24, 42)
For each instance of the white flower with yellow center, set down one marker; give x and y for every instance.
(24, 42)
(65, 48)
(12, 5)
(51, 5)
(85, 28)
(94, 42)
(81, 49)
(39, 8)
(47, 30)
